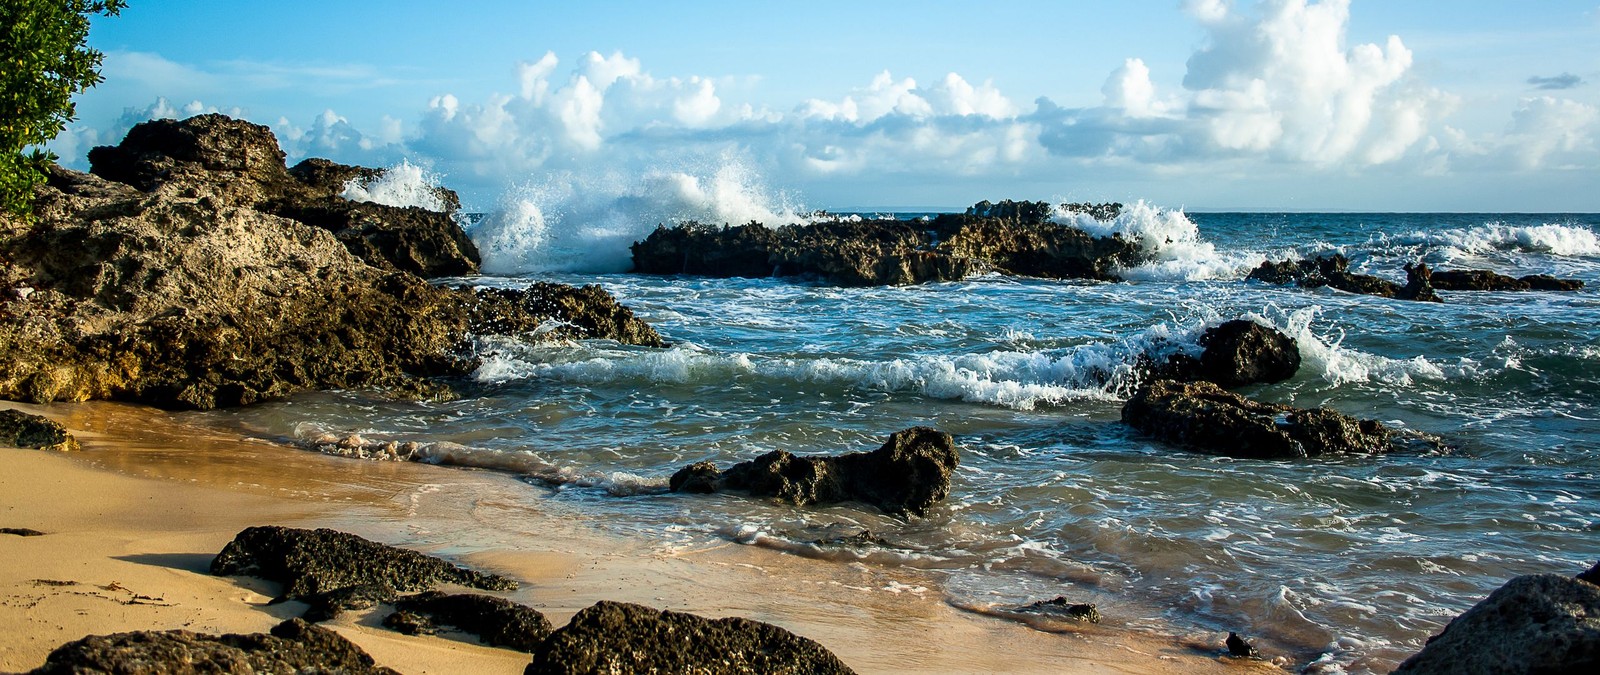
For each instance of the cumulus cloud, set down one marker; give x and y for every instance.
(1562, 81)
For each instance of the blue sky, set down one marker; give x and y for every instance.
(1201, 104)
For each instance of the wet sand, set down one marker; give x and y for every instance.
(133, 521)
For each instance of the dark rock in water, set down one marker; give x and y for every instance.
(309, 562)
(1203, 417)
(1334, 271)
(22, 430)
(907, 475)
(1592, 575)
(194, 296)
(21, 532)
(859, 539)
(1237, 647)
(293, 647)
(328, 605)
(614, 637)
(498, 622)
(1237, 353)
(1062, 608)
(1541, 623)
(1486, 280)
(1011, 238)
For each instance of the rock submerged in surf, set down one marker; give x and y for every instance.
(1539, 623)
(293, 646)
(1201, 416)
(1234, 354)
(909, 474)
(1486, 280)
(25, 430)
(1061, 608)
(311, 562)
(1010, 238)
(616, 637)
(1333, 271)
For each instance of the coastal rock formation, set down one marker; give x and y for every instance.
(309, 562)
(294, 646)
(1063, 609)
(614, 637)
(909, 474)
(1234, 354)
(1011, 238)
(1334, 271)
(1486, 280)
(1201, 416)
(196, 295)
(22, 430)
(1542, 623)
(497, 622)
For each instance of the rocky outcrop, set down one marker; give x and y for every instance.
(310, 562)
(496, 621)
(1012, 238)
(1062, 609)
(909, 474)
(1543, 623)
(1333, 271)
(191, 295)
(294, 646)
(1201, 416)
(22, 430)
(614, 637)
(1234, 354)
(1486, 280)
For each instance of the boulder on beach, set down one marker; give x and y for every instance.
(909, 474)
(496, 621)
(186, 286)
(1333, 271)
(1201, 416)
(293, 646)
(1540, 623)
(1234, 354)
(24, 430)
(1010, 238)
(311, 562)
(615, 637)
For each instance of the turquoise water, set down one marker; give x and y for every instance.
(1350, 563)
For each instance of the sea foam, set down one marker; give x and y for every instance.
(402, 185)
(1550, 238)
(1171, 239)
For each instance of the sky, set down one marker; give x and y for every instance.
(1355, 105)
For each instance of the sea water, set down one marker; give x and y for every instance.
(1346, 563)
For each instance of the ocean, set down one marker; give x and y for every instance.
(1344, 563)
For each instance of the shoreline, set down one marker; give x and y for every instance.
(142, 509)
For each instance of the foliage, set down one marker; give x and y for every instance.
(43, 62)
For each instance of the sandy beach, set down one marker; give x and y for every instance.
(133, 521)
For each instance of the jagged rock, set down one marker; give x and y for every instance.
(496, 621)
(1334, 271)
(1201, 416)
(1592, 575)
(309, 562)
(614, 637)
(189, 296)
(294, 646)
(22, 430)
(1011, 238)
(1062, 608)
(1486, 280)
(857, 540)
(1543, 623)
(1234, 354)
(907, 475)
(1239, 648)
(328, 605)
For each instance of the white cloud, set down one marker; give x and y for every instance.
(1548, 131)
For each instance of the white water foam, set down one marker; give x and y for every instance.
(585, 223)
(1172, 240)
(1338, 365)
(1553, 239)
(402, 185)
